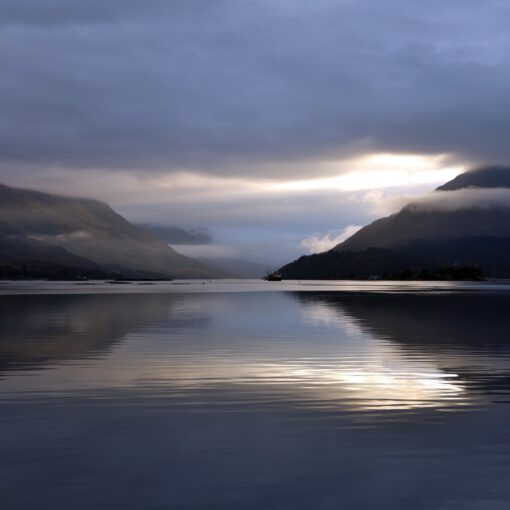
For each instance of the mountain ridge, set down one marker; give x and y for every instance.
(37, 226)
(427, 234)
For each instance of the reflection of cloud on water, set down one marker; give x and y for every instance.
(459, 334)
(366, 387)
(381, 378)
(324, 351)
(323, 314)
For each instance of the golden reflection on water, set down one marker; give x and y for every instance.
(404, 385)
(353, 370)
(261, 401)
(386, 381)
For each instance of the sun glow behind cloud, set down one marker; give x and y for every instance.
(274, 216)
(380, 171)
(366, 172)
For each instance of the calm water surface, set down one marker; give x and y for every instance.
(254, 396)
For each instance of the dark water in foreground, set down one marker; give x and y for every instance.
(255, 400)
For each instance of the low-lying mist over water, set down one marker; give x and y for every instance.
(281, 399)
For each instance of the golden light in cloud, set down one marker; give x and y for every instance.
(368, 172)
(384, 170)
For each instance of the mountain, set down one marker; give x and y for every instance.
(485, 177)
(198, 244)
(44, 235)
(238, 267)
(179, 236)
(465, 222)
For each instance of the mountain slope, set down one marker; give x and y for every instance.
(464, 222)
(485, 177)
(45, 229)
(178, 236)
(411, 224)
(455, 210)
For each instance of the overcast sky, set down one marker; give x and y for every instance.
(271, 122)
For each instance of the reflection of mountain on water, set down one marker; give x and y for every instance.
(435, 321)
(361, 352)
(39, 329)
(466, 334)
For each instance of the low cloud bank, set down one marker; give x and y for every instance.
(318, 243)
(207, 251)
(468, 198)
(61, 238)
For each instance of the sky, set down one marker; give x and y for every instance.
(281, 126)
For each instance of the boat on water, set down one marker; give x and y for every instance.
(275, 276)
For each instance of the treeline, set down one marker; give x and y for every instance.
(421, 261)
(464, 273)
(51, 272)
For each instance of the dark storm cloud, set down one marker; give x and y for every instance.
(224, 85)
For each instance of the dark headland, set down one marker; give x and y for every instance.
(460, 231)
